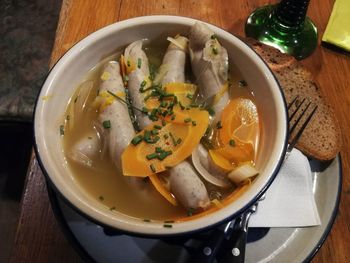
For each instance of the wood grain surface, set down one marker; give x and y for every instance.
(40, 239)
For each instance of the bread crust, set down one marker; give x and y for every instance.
(322, 138)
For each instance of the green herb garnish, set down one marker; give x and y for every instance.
(194, 123)
(157, 127)
(190, 211)
(214, 50)
(136, 140)
(151, 156)
(187, 120)
(232, 142)
(154, 132)
(167, 225)
(139, 63)
(164, 154)
(146, 220)
(101, 198)
(142, 85)
(106, 124)
(190, 96)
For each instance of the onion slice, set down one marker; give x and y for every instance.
(220, 182)
(242, 173)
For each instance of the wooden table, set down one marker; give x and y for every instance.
(39, 238)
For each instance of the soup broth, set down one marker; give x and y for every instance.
(100, 178)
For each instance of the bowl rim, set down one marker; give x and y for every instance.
(137, 230)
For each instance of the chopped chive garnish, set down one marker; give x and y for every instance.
(167, 95)
(163, 104)
(232, 142)
(76, 98)
(169, 221)
(153, 169)
(190, 211)
(153, 117)
(136, 140)
(165, 113)
(143, 84)
(219, 125)
(144, 110)
(68, 117)
(147, 135)
(106, 124)
(213, 36)
(179, 141)
(163, 122)
(194, 123)
(126, 78)
(155, 132)
(187, 120)
(163, 155)
(172, 138)
(156, 138)
(214, 50)
(157, 127)
(211, 111)
(128, 63)
(159, 150)
(167, 225)
(192, 105)
(151, 156)
(190, 96)
(101, 198)
(173, 117)
(166, 136)
(61, 129)
(242, 83)
(139, 63)
(113, 208)
(146, 220)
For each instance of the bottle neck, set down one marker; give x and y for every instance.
(291, 13)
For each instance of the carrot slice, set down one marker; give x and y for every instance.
(158, 185)
(179, 139)
(228, 200)
(237, 113)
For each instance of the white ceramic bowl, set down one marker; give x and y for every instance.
(73, 66)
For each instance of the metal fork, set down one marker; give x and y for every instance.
(294, 119)
(230, 242)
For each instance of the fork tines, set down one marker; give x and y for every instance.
(300, 114)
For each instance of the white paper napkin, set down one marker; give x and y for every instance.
(289, 201)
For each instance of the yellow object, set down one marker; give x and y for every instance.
(183, 91)
(338, 27)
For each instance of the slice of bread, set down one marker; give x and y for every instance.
(322, 137)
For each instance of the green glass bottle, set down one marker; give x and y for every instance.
(284, 26)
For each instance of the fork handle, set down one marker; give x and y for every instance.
(233, 249)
